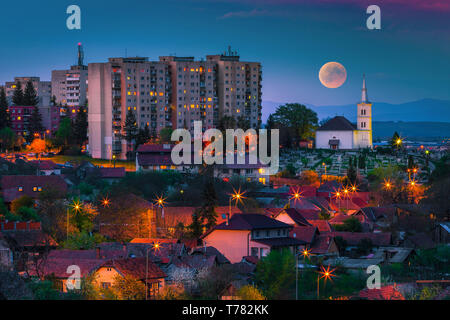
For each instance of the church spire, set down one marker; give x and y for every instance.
(364, 97)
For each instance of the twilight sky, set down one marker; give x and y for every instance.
(408, 59)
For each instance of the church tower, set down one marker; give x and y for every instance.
(364, 120)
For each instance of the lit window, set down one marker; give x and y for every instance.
(34, 189)
(20, 189)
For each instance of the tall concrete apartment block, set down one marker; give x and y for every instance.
(123, 84)
(43, 89)
(238, 87)
(69, 87)
(194, 92)
(172, 92)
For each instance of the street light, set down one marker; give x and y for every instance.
(296, 195)
(327, 274)
(305, 254)
(76, 206)
(236, 195)
(160, 202)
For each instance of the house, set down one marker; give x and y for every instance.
(46, 167)
(250, 234)
(157, 157)
(378, 239)
(112, 175)
(141, 269)
(6, 256)
(13, 187)
(442, 232)
(256, 172)
(324, 245)
(292, 217)
(381, 217)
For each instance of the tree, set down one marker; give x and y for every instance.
(23, 201)
(5, 120)
(396, 141)
(80, 126)
(226, 122)
(38, 146)
(34, 124)
(143, 135)
(208, 211)
(250, 292)
(351, 172)
(165, 135)
(130, 126)
(128, 288)
(30, 97)
(196, 226)
(17, 98)
(7, 138)
(275, 274)
(341, 244)
(64, 133)
(351, 225)
(243, 123)
(302, 120)
(364, 246)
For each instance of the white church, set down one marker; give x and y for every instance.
(339, 133)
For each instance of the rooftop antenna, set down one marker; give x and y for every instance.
(80, 54)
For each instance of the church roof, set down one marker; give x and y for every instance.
(338, 123)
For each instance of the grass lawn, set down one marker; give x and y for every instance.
(129, 165)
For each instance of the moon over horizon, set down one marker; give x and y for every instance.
(332, 75)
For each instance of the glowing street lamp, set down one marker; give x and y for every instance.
(76, 206)
(387, 184)
(105, 202)
(237, 196)
(305, 253)
(296, 195)
(327, 274)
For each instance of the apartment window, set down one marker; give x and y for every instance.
(20, 189)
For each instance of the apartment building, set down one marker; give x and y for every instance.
(43, 89)
(120, 85)
(194, 92)
(238, 87)
(69, 87)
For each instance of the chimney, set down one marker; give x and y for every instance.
(97, 252)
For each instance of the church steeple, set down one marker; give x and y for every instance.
(364, 97)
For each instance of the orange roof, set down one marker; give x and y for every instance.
(390, 292)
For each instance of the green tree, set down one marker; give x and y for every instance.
(364, 246)
(80, 126)
(7, 138)
(275, 274)
(302, 120)
(350, 225)
(341, 244)
(17, 98)
(34, 124)
(351, 172)
(243, 123)
(23, 201)
(208, 211)
(396, 141)
(130, 126)
(165, 135)
(226, 122)
(64, 133)
(196, 226)
(30, 97)
(5, 120)
(143, 135)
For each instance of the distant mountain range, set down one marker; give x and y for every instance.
(417, 119)
(429, 110)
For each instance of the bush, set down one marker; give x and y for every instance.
(249, 292)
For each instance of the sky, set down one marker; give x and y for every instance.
(408, 59)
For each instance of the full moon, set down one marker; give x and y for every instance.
(332, 75)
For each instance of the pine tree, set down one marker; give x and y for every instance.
(196, 227)
(34, 124)
(30, 97)
(130, 126)
(143, 136)
(351, 172)
(18, 94)
(210, 203)
(80, 126)
(5, 120)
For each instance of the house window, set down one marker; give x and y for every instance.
(39, 189)
(254, 252)
(261, 252)
(34, 189)
(106, 285)
(20, 189)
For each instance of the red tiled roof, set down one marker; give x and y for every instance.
(58, 267)
(197, 261)
(153, 240)
(249, 221)
(295, 215)
(155, 148)
(322, 225)
(305, 234)
(321, 244)
(359, 202)
(175, 215)
(309, 214)
(305, 191)
(10, 185)
(118, 172)
(304, 204)
(33, 238)
(339, 218)
(45, 164)
(86, 254)
(136, 268)
(353, 238)
(280, 242)
(389, 292)
(149, 159)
